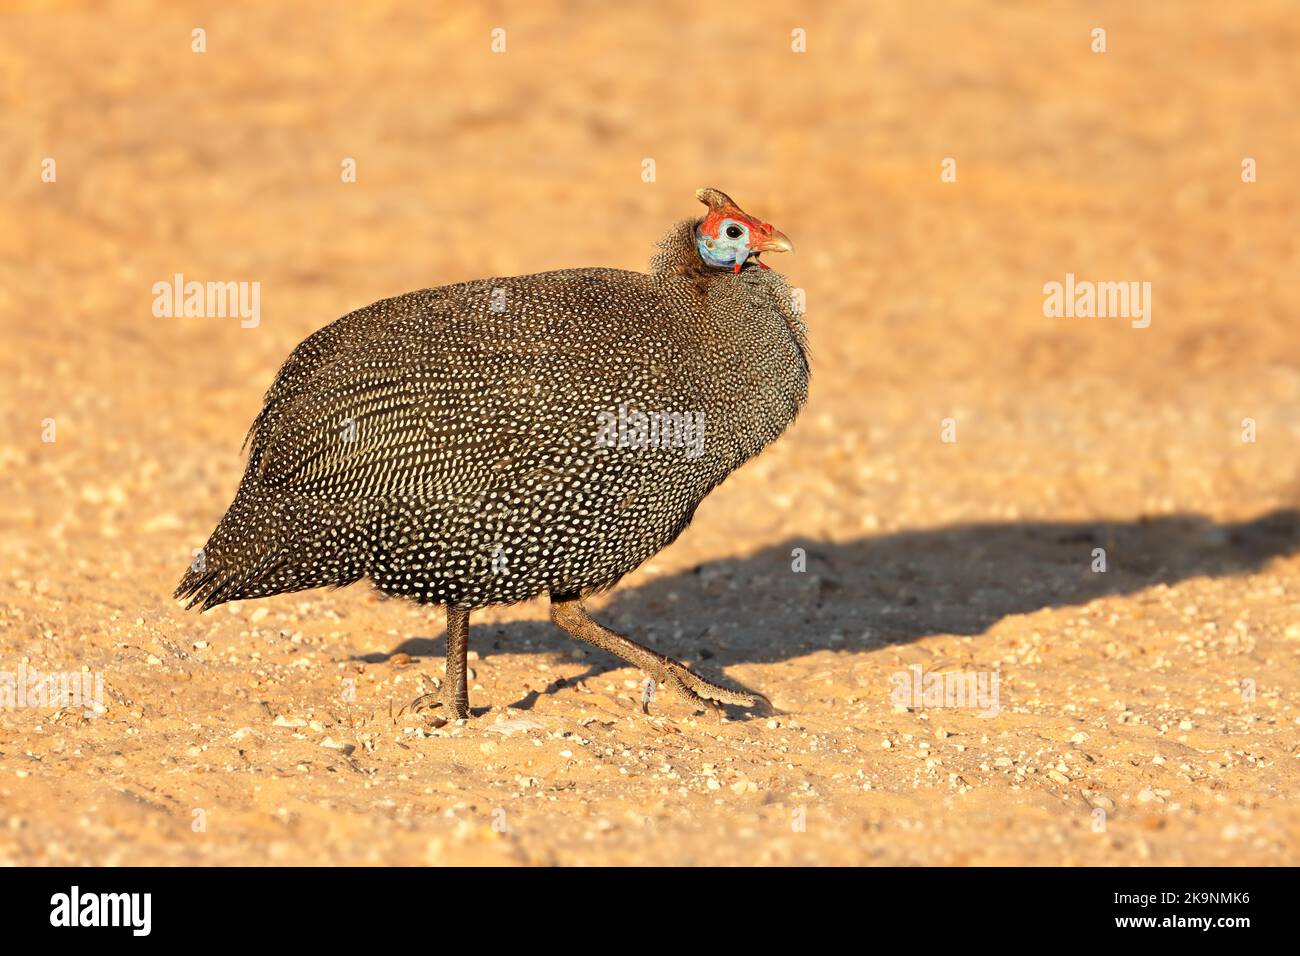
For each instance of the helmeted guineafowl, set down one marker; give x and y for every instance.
(488, 442)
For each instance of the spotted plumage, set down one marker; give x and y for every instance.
(455, 445)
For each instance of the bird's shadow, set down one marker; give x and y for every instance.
(802, 596)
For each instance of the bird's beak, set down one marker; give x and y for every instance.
(776, 241)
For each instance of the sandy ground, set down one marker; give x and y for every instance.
(1146, 714)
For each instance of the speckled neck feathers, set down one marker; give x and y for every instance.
(760, 290)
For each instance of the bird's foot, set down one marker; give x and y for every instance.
(444, 697)
(699, 691)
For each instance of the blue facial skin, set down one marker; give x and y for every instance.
(727, 251)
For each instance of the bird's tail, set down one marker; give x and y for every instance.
(265, 546)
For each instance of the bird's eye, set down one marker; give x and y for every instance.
(734, 232)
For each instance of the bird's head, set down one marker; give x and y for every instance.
(728, 237)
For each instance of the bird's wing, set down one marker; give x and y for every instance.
(437, 397)
(335, 342)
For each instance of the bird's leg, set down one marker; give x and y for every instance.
(455, 691)
(569, 614)
(454, 694)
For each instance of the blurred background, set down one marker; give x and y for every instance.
(924, 303)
